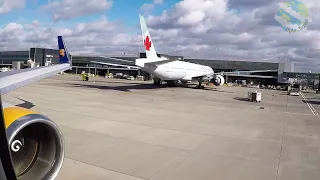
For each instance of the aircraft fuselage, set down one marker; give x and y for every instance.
(178, 70)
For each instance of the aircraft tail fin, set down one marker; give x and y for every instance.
(63, 52)
(147, 42)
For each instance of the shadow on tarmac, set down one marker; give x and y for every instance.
(112, 82)
(125, 88)
(241, 99)
(312, 102)
(25, 104)
(137, 86)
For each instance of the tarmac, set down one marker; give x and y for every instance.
(129, 130)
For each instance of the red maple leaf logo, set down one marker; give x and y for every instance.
(147, 43)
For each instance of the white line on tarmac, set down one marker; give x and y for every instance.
(299, 113)
(314, 112)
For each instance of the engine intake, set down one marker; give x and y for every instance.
(218, 80)
(37, 148)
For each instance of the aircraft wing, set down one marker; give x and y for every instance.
(117, 59)
(15, 79)
(120, 65)
(246, 72)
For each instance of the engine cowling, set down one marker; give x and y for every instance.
(36, 144)
(218, 80)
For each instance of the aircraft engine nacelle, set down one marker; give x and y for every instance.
(35, 142)
(218, 80)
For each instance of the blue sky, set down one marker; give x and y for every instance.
(124, 11)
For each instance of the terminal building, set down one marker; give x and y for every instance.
(279, 72)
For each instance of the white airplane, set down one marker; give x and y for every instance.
(172, 70)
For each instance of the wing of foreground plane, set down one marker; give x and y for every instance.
(12, 80)
(28, 130)
(120, 65)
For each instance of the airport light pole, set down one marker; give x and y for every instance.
(34, 54)
(286, 60)
(318, 84)
(139, 41)
(2, 54)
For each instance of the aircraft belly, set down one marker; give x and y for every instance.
(177, 76)
(168, 74)
(193, 75)
(187, 78)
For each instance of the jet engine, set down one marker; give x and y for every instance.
(218, 80)
(35, 142)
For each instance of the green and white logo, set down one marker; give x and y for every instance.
(293, 16)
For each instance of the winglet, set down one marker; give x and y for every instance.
(63, 53)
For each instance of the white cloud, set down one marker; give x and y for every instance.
(193, 28)
(9, 5)
(99, 36)
(192, 18)
(158, 1)
(35, 23)
(253, 34)
(147, 8)
(67, 9)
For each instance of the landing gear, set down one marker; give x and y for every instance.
(200, 86)
(171, 83)
(156, 81)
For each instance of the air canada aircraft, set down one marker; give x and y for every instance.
(34, 140)
(172, 70)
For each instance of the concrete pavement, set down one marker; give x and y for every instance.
(119, 129)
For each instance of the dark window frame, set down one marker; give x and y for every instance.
(5, 154)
